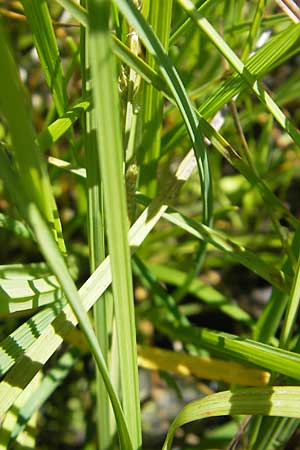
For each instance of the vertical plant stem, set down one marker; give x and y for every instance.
(105, 92)
(96, 233)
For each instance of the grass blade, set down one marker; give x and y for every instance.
(38, 17)
(272, 401)
(103, 71)
(35, 179)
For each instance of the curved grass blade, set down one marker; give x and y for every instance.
(271, 401)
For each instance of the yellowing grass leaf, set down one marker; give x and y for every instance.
(202, 367)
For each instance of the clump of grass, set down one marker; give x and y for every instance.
(147, 165)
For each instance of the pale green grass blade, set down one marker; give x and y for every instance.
(241, 69)
(175, 85)
(96, 239)
(39, 20)
(271, 401)
(35, 180)
(64, 165)
(57, 264)
(24, 295)
(110, 155)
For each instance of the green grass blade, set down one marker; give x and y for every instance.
(38, 17)
(96, 239)
(24, 271)
(239, 349)
(35, 180)
(60, 126)
(105, 92)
